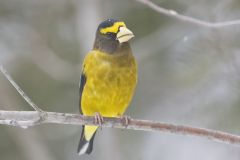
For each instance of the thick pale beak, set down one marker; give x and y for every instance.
(124, 34)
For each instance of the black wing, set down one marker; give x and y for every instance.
(83, 80)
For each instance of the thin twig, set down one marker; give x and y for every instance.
(20, 91)
(27, 119)
(174, 14)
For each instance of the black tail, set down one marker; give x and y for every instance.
(85, 146)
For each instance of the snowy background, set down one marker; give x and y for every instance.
(187, 75)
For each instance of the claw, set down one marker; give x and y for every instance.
(126, 120)
(98, 119)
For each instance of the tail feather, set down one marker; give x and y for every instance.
(85, 146)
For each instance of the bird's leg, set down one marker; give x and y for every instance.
(98, 119)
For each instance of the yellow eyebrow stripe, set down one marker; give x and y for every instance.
(113, 28)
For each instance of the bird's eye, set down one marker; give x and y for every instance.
(109, 33)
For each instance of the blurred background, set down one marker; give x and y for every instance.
(187, 75)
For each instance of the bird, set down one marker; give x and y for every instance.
(108, 79)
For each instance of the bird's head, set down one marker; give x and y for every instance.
(112, 34)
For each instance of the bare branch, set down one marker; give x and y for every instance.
(25, 119)
(174, 14)
(20, 91)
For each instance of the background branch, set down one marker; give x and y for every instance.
(19, 90)
(25, 119)
(174, 14)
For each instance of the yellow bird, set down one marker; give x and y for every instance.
(109, 77)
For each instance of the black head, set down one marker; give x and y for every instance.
(107, 23)
(110, 35)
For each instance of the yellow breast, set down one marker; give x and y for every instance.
(110, 84)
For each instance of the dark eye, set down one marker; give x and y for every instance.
(109, 33)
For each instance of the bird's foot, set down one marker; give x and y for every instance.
(126, 120)
(98, 119)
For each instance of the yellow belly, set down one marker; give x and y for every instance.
(110, 84)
